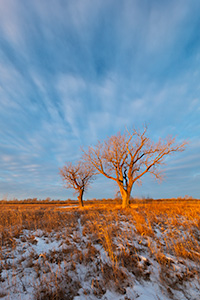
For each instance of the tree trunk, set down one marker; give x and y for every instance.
(80, 198)
(125, 198)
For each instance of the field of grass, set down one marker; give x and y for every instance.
(150, 251)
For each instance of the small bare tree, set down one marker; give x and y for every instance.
(78, 177)
(125, 158)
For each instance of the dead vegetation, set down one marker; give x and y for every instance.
(50, 253)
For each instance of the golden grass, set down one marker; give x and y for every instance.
(167, 230)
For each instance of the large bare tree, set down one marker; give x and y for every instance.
(78, 177)
(126, 157)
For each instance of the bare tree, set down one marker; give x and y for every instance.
(125, 158)
(78, 177)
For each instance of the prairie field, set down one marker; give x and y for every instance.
(150, 251)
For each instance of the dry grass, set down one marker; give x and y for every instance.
(118, 247)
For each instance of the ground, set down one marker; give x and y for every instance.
(150, 251)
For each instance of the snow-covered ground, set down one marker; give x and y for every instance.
(68, 206)
(98, 255)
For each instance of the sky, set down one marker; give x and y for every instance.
(75, 72)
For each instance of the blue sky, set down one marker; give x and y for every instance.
(75, 72)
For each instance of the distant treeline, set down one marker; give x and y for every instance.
(58, 201)
(116, 200)
(36, 201)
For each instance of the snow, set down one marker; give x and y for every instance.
(43, 246)
(68, 206)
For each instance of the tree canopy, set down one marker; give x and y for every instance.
(78, 177)
(126, 157)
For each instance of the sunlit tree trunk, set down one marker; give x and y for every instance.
(125, 197)
(80, 198)
(126, 200)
